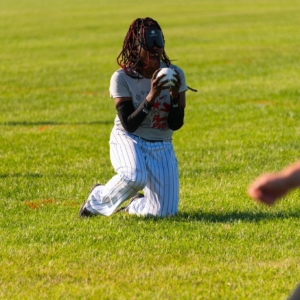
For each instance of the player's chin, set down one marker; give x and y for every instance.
(155, 63)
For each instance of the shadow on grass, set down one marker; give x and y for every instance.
(235, 216)
(48, 123)
(227, 217)
(232, 217)
(34, 175)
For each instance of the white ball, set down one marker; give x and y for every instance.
(169, 75)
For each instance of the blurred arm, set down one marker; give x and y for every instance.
(268, 188)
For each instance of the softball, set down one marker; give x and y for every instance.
(169, 75)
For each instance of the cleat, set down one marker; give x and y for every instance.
(84, 212)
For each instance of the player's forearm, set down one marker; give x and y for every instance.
(130, 118)
(176, 115)
(292, 175)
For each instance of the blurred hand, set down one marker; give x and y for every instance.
(268, 188)
(156, 87)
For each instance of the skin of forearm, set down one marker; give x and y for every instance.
(292, 175)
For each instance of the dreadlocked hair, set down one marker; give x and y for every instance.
(129, 58)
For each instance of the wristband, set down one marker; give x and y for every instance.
(147, 106)
(175, 102)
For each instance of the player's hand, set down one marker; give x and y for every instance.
(156, 87)
(175, 89)
(268, 188)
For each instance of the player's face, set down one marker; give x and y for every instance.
(152, 57)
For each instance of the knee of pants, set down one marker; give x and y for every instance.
(137, 178)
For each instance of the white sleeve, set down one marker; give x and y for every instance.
(118, 86)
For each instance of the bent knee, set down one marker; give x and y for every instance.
(137, 178)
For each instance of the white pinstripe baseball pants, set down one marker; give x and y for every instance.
(140, 165)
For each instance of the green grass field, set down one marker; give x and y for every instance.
(56, 59)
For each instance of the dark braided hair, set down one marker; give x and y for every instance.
(129, 59)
